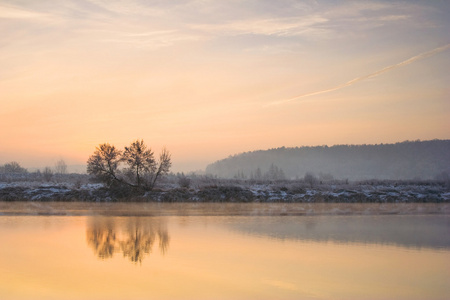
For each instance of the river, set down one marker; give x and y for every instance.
(223, 251)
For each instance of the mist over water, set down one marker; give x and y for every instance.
(227, 251)
(402, 231)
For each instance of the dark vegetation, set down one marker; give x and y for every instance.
(133, 174)
(139, 173)
(12, 168)
(401, 161)
(196, 188)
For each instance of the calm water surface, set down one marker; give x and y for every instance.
(149, 251)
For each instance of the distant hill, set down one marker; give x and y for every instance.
(405, 160)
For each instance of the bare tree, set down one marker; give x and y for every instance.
(104, 163)
(13, 167)
(183, 181)
(47, 174)
(311, 179)
(258, 174)
(142, 169)
(164, 165)
(275, 173)
(60, 167)
(141, 163)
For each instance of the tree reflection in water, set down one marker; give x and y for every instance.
(102, 238)
(133, 236)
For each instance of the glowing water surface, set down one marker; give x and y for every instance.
(151, 251)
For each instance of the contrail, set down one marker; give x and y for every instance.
(374, 74)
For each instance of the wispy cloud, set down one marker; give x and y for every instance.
(9, 12)
(151, 40)
(270, 27)
(311, 21)
(394, 17)
(371, 75)
(126, 7)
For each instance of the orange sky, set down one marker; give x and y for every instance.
(208, 79)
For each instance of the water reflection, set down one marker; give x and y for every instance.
(426, 231)
(224, 257)
(133, 236)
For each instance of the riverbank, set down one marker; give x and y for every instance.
(289, 191)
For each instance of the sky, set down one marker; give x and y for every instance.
(210, 78)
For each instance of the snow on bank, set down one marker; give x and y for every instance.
(35, 191)
(226, 192)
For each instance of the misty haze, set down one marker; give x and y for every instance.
(291, 149)
(406, 160)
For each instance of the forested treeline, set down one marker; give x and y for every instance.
(405, 160)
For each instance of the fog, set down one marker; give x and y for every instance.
(406, 160)
(424, 231)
